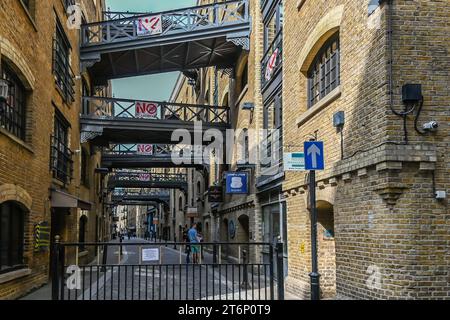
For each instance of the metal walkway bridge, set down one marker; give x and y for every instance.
(112, 120)
(129, 157)
(177, 40)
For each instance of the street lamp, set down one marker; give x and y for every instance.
(4, 88)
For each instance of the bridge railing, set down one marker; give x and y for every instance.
(134, 149)
(147, 176)
(113, 108)
(198, 18)
(139, 192)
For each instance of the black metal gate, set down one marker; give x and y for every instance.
(165, 271)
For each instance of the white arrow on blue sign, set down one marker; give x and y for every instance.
(314, 155)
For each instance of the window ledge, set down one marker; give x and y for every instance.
(319, 106)
(30, 18)
(17, 140)
(10, 276)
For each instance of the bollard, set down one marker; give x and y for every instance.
(55, 269)
(280, 270)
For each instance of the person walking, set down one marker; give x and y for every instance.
(188, 247)
(193, 239)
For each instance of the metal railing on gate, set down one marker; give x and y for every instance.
(167, 271)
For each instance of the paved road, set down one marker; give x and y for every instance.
(170, 278)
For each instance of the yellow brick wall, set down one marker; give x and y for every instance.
(391, 183)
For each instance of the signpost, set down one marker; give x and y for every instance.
(314, 160)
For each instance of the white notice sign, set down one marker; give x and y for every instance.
(151, 254)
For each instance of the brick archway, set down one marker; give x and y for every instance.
(327, 26)
(11, 192)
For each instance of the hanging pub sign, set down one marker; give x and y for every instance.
(215, 194)
(145, 149)
(146, 110)
(149, 26)
(237, 182)
(41, 237)
(271, 64)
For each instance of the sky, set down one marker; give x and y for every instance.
(154, 87)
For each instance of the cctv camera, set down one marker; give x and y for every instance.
(431, 126)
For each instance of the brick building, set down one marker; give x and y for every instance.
(308, 62)
(382, 232)
(47, 178)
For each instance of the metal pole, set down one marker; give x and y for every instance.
(280, 270)
(55, 269)
(314, 275)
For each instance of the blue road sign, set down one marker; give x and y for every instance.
(314, 156)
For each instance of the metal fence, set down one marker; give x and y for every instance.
(165, 271)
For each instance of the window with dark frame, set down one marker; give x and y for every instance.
(62, 164)
(274, 25)
(13, 110)
(273, 122)
(324, 74)
(64, 76)
(12, 218)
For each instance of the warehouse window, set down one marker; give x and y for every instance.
(324, 74)
(11, 236)
(61, 155)
(12, 111)
(64, 76)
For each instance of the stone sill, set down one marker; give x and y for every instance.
(17, 140)
(13, 275)
(319, 106)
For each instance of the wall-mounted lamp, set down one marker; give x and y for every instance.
(250, 106)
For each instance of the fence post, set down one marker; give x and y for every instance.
(272, 291)
(244, 284)
(280, 270)
(214, 253)
(55, 269)
(104, 258)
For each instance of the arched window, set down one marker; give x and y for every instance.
(12, 218)
(82, 232)
(12, 111)
(324, 73)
